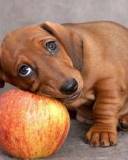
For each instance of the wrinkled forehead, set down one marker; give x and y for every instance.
(24, 35)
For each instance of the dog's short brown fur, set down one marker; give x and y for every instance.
(95, 54)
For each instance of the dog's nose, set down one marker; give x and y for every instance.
(69, 87)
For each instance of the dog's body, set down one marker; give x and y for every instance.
(88, 71)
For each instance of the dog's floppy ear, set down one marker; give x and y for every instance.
(2, 83)
(70, 40)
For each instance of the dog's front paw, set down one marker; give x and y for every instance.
(100, 137)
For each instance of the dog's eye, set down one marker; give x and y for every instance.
(25, 70)
(51, 46)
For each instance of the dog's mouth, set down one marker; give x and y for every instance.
(70, 98)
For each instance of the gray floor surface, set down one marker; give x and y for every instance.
(75, 148)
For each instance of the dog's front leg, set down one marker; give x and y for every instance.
(108, 101)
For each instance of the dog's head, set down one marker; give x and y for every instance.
(44, 59)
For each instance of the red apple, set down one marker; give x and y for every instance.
(31, 126)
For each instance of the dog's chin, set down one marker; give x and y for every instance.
(70, 98)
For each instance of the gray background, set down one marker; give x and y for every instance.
(15, 13)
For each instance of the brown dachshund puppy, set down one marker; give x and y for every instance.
(84, 65)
